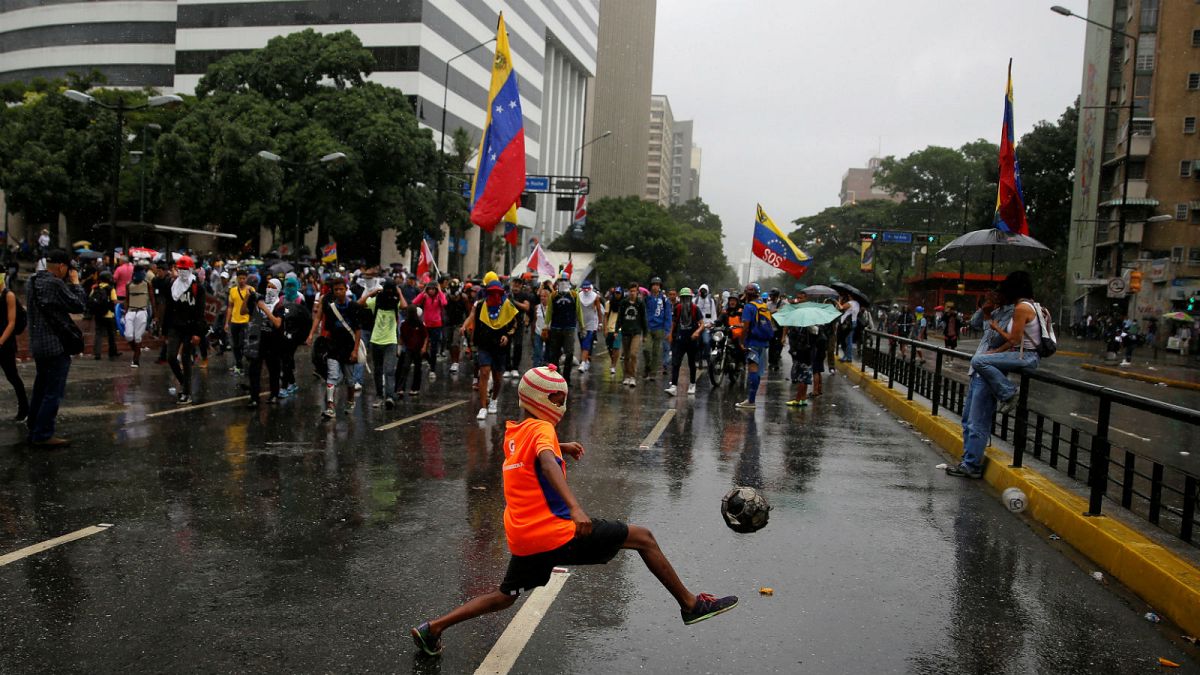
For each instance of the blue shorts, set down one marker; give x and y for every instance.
(755, 354)
(613, 340)
(588, 339)
(486, 359)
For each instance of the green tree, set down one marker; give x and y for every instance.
(705, 261)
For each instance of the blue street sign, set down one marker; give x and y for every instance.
(897, 237)
(537, 183)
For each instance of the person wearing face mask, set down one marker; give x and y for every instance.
(491, 325)
(385, 303)
(137, 312)
(707, 305)
(565, 319)
(262, 342)
(685, 339)
(296, 321)
(185, 325)
(593, 318)
(432, 303)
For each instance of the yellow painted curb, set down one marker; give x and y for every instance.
(1167, 582)
(1180, 384)
(1078, 355)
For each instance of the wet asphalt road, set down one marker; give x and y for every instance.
(270, 541)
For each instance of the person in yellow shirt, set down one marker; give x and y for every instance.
(236, 320)
(101, 302)
(544, 524)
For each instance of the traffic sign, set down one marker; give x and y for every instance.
(537, 183)
(1116, 287)
(897, 237)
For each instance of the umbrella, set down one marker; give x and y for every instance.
(85, 254)
(804, 314)
(253, 261)
(858, 295)
(819, 291)
(990, 245)
(1177, 316)
(82, 243)
(142, 252)
(280, 268)
(81, 249)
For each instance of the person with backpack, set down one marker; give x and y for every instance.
(802, 346)
(685, 339)
(1026, 339)
(564, 319)
(263, 335)
(297, 321)
(414, 345)
(758, 330)
(340, 328)
(14, 318)
(136, 312)
(53, 295)
(185, 325)
(384, 303)
(102, 302)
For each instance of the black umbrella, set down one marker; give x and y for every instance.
(280, 267)
(90, 255)
(852, 291)
(991, 245)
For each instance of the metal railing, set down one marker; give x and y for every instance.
(1162, 493)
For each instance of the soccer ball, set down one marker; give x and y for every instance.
(745, 509)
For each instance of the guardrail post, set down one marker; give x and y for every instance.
(1189, 509)
(912, 370)
(866, 343)
(1021, 423)
(891, 363)
(1127, 480)
(1098, 471)
(878, 356)
(937, 382)
(1156, 483)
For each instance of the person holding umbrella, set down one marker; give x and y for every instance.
(847, 324)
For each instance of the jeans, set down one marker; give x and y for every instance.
(705, 345)
(435, 344)
(335, 372)
(994, 369)
(561, 343)
(848, 345)
(179, 358)
(268, 356)
(539, 351)
(8, 361)
(287, 363)
(49, 387)
(979, 406)
(383, 361)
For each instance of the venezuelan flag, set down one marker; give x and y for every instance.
(510, 226)
(500, 176)
(773, 246)
(1010, 198)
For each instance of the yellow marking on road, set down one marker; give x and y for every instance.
(652, 437)
(506, 650)
(51, 543)
(427, 413)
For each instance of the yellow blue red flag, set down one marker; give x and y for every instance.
(500, 176)
(1010, 198)
(510, 226)
(774, 247)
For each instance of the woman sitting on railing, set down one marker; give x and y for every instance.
(1021, 336)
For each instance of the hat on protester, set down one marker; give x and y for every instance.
(185, 262)
(537, 385)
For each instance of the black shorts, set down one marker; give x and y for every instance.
(526, 572)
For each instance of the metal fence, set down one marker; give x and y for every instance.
(1158, 491)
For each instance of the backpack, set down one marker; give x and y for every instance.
(1048, 345)
(100, 300)
(763, 328)
(297, 322)
(22, 320)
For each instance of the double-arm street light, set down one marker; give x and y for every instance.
(140, 158)
(294, 167)
(120, 108)
(1120, 262)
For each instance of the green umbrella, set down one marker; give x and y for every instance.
(804, 314)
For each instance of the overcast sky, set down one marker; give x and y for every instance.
(788, 94)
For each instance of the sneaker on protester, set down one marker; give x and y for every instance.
(482, 414)
(493, 406)
(432, 376)
(745, 405)
(671, 390)
(691, 390)
(453, 368)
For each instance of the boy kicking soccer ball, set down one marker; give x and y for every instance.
(546, 526)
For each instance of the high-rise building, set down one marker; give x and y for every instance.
(685, 164)
(132, 42)
(1155, 150)
(859, 185)
(660, 153)
(620, 99)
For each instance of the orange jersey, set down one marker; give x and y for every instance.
(536, 518)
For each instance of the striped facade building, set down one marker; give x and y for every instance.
(169, 44)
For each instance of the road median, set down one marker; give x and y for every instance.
(1170, 584)
(1143, 377)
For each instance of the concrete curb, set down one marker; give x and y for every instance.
(1180, 384)
(1167, 582)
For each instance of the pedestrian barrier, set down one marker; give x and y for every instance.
(1163, 493)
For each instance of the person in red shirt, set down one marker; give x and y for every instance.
(545, 525)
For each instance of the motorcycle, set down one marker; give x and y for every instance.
(726, 358)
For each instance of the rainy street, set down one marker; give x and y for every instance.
(271, 541)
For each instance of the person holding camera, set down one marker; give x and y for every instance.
(54, 294)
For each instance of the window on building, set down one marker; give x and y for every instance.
(1193, 81)
(1137, 170)
(1189, 125)
(1177, 254)
(1194, 256)
(1196, 37)
(1143, 127)
(1145, 52)
(1195, 219)
(1181, 212)
(1149, 14)
(1185, 168)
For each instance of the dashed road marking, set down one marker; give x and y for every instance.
(1112, 428)
(506, 650)
(427, 413)
(652, 437)
(197, 406)
(51, 543)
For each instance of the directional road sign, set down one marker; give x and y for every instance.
(897, 237)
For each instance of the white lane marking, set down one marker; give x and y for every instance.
(197, 406)
(652, 437)
(51, 543)
(1112, 428)
(414, 418)
(506, 650)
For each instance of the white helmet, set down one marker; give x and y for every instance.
(535, 389)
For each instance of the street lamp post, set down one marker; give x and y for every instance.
(294, 167)
(1120, 262)
(579, 150)
(142, 159)
(120, 108)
